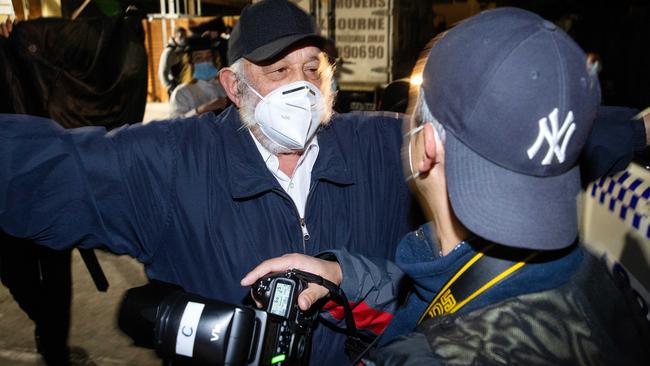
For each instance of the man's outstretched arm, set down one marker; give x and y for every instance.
(83, 186)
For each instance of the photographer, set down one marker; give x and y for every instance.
(499, 274)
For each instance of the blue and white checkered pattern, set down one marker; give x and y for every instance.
(626, 196)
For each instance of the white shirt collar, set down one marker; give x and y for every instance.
(297, 187)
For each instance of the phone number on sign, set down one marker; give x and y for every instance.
(362, 52)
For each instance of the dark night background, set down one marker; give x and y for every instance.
(617, 30)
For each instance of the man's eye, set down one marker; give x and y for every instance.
(281, 70)
(313, 72)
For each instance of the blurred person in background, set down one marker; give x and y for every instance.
(171, 66)
(203, 93)
(217, 31)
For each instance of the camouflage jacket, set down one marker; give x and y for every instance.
(590, 320)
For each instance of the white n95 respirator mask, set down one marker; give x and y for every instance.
(290, 115)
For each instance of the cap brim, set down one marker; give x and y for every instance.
(190, 50)
(511, 208)
(274, 49)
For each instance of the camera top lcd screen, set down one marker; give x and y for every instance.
(280, 299)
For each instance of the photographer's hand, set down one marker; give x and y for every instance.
(326, 269)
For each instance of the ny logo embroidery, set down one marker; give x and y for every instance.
(557, 139)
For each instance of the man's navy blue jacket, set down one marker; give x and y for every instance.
(193, 200)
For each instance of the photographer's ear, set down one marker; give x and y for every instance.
(431, 151)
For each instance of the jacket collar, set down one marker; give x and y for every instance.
(248, 175)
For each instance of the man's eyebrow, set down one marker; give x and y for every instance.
(314, 58)
(274, 66)
(312, 61)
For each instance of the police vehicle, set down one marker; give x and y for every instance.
(615, 224)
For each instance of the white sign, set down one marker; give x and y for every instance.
(363, 39)
(363, 29)
(7, 8)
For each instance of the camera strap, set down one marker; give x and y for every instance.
(335, 293)
(356, 344)
(488, 267)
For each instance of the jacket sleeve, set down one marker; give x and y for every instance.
(614, 140)
(371, 286)
(83, 186)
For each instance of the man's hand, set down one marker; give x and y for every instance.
(215, 104)
(6, 28)
(326, 269)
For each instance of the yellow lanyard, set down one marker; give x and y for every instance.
(475, 277)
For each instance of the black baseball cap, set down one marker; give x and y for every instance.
(517, 99)
(198, 43)
(269, 27)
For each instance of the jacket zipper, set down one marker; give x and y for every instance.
(301, 220)
(305, 232)
(303, 223)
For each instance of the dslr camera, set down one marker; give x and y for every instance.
(187, 329)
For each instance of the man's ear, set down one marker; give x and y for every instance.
(429, 157)
(229, 83)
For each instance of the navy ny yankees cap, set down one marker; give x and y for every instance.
(517, 99)
(269, 27)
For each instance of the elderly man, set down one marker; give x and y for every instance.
(499, 276)
(200, 201)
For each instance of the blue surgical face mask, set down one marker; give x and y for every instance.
(204, 71)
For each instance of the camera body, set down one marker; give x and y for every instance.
(189, 329)
(291, 338)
